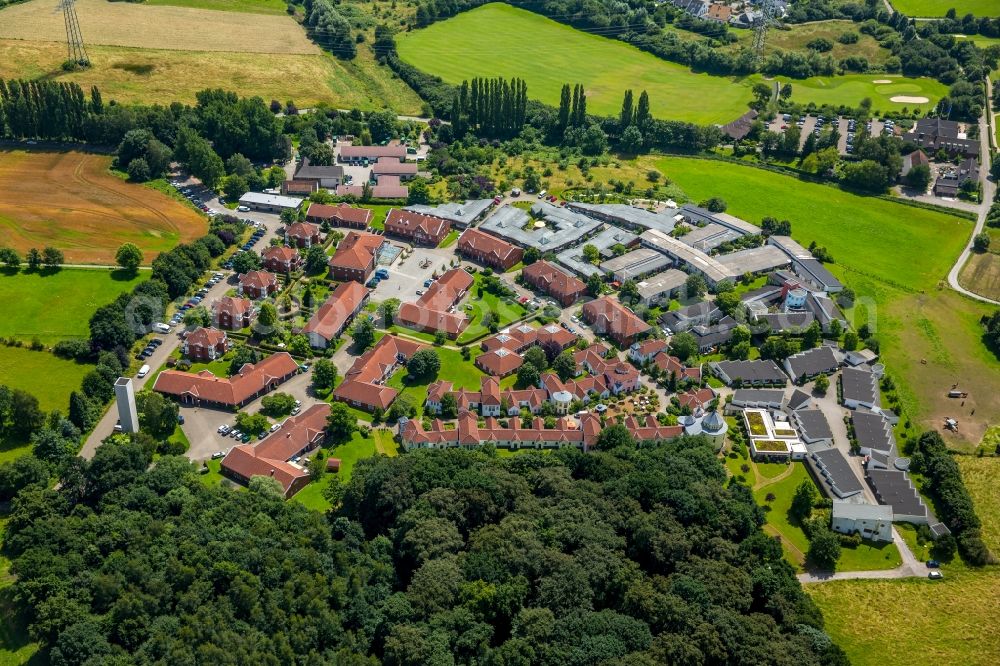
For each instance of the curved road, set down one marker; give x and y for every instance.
(989, 190)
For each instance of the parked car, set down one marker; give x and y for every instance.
(935, 575)
(180, 419)
(243, 209)
(296, 410)
(223, 429)
(217, 455)
(245, 438)
(933, 564)
(275, 427)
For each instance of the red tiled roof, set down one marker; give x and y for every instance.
(430, 312)
(279, 253)
(614, 318)
(250, 380)
(330, 318)
(386, 187)
(362, 381)
(553, 280)
(233, 306)
(405, 223)
(205, 337)
(356, 250)
(391, 165)
(300, 186)
(481, 242)
(341, 212)
(373, 152)
(500, 362)
(696, 398)
(652, 347)
(258, 279)
(302, 230)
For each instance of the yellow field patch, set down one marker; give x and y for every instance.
(172, 28)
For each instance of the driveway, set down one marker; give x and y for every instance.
(406, 276)
(910, 568)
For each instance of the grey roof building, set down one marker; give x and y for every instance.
(696, 215)
(874, 435)
(805, 266)
(713, 335)
(460, 214)
(697, 314)
(328, 176)
(755, 373)
(758, 398)
(871, 521)
(859, 388)
(811, 363)
(658, 288)
(626, 216)
(635, 264)
(832, 468)
(894, 488)
(709, 237)
(604, 240)
(799, 400)
(813, 426)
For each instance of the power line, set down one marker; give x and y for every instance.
(74, 38)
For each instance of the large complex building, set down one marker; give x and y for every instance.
(488, 250)
(336, 314)
(461, 215)
(204, 388)
(547, 229)
(355, 257)
(435, 309)
(417, 228)
(609, 317)
(364, 384)
(553, 281)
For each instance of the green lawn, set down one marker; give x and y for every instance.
(547, 54)
(312, 497)
(248, 6)
(508, 311)
(778, 515)
(350, 452)
(44, 375)
(55, 305)
(450, 239)
(462, 373)
(869, 556)
(214, 476)
(938, 7)
(850, 89)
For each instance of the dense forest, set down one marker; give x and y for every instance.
(626, 556)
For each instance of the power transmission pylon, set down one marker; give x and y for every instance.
(768, 12)
(74, 38)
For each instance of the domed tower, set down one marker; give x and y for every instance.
(714, 427)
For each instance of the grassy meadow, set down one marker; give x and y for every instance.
(56, 305)
(275, 7)
(896, 258)
(939, 7)
(44, 375)
(794, 37)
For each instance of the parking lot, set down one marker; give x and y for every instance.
(846, 127)
(406, 277)
(201, 424)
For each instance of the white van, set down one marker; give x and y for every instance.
(143, 371)
(160, 327)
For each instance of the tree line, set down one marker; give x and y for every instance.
(493, 108)
(631, 554)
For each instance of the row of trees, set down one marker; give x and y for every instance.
(493, 108)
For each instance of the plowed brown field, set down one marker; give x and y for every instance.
(71, 201)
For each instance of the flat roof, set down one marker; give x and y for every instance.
(709, 236)
(270, 200)
(462, 212)
(753, 260)
(855, 511)
(703, 216)
(562, 227)
(637, 262)
(662, 282)
(610, 236)
(630, 216)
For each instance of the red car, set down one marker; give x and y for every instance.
(523, 300)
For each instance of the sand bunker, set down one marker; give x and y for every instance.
(907, 99)
(882, 81)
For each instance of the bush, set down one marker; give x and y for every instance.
(72, 349)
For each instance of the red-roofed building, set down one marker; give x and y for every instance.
(556, 283)
(672, 366)
(415, 227)
(303, 234)
(355, 257)
(609, 317)
(300, 188)
(499, 362)
(488, 250)
(336, 314)
(433, 310)
(696, 398)
(232, 313)
(386, 187)
(272, 457)
(641, 352)
(391, 166)
(205, 344)
(364, 384)
(340, 215)
(281, 259)
(252, 381)
(258, 284)
(356, 154)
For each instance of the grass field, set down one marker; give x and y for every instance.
(71, 200)
(44, 375)
(794, 37)
(499, 40)
(980, 476)
(930, 336)
(55, 305)
(938, 7)
(507, 312)
(852, 88)
(174, 28)
(981, 273)
(250, 6)
(462, 373)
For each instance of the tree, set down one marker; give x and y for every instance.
(34, 259)
(629, 292)
(316, 260)
(449, 406)
(714, 204)
(684, 346)
(235, 187)
(527, 376)
(762, 94)
(531, 255)
(851, 341)
(631, 141)
(388, 309)
(812, 336)
(981, 242)
(252, 424)
(244, 262)
(918, 177)
(400, 408)
(591, 254)
(615, 436)
(565, 365)
(128, 256)
(324, 374)
(695, 286)
(595, 284)
(239, 165)
(536, 356)
(52, 257)
(138, 170)
(267, 316)
(277, 405)
(363, 334)
(266, 486)
(803, 500)
(824, 550)
(157, 414)
(424, 363)
(786, 91)
(418, 192)
(198, 316)
(10, 258)
(241, 355)
(822, 384)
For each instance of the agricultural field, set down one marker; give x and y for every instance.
(71, 201)
(276, 7)
(852, 88)
(940, 7)
(930, 336)
(981, 274)
(57, 305)
(150, 54)
(547, 54)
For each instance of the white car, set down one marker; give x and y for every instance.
(243, 209)
(275, 427)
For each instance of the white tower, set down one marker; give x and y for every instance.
(127, 414)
